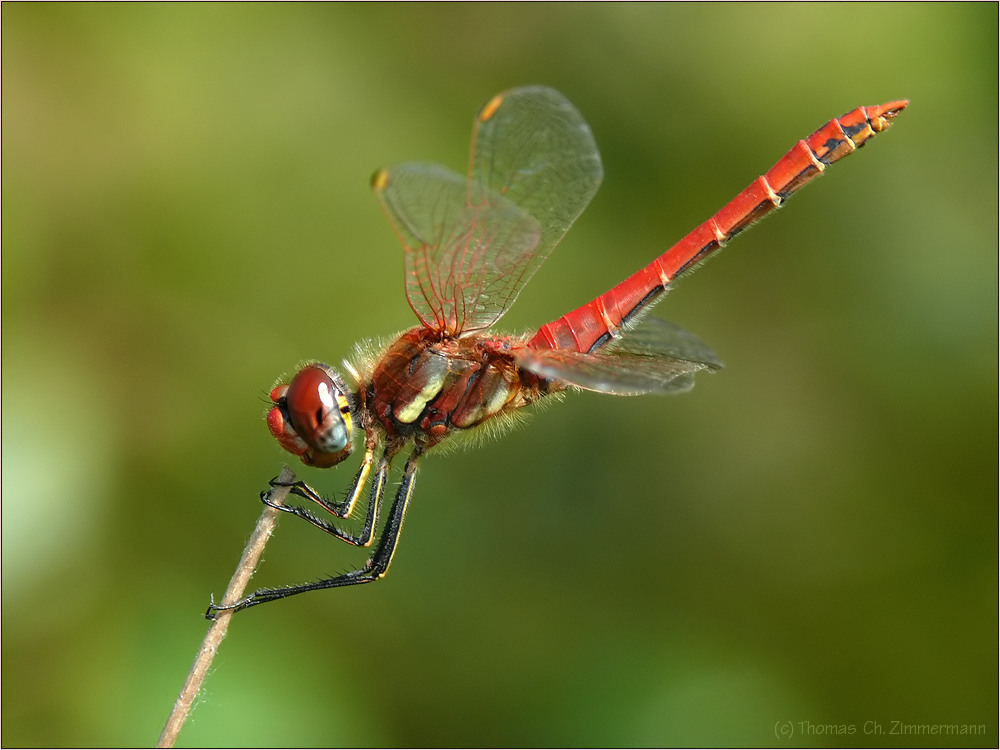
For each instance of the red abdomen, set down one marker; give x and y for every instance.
(592, 326)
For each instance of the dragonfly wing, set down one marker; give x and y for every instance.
(655, 357)
(473, 243)
(532, 146)
(455, 251)
(656, 337)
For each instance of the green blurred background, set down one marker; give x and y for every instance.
(808, 536)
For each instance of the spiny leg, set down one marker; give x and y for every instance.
(376, 566)
(344, 509)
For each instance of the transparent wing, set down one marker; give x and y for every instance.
(460, 258)
(531, 146)
(472, 243)
(655, 357)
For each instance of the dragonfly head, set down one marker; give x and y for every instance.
(311, 416)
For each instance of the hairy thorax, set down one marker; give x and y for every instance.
(427, 387)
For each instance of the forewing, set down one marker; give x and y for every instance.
(655, 357)
(532, 147)
(473, 243)
(454, 251)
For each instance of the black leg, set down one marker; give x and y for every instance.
(344, 509)
(376, 566)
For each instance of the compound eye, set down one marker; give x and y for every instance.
(318, 410)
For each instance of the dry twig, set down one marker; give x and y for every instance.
(217, 630)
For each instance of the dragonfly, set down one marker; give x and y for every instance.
(471, 243)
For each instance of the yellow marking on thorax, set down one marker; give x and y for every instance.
(409, 413)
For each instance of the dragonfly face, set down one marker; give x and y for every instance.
(311, 416)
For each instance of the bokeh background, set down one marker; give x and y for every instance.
(806, 541)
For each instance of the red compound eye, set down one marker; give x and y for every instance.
(311, 416)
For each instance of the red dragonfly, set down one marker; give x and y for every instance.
(470, 245)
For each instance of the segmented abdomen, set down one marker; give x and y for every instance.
(591, 326)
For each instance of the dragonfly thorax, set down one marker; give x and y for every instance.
(311, 416)
(427, 387)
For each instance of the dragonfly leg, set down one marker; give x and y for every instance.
(376, 566)
(341, 510)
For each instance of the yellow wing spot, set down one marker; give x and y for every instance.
(491, 108)
(380, 180)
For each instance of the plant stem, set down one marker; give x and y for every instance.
(217, 630)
